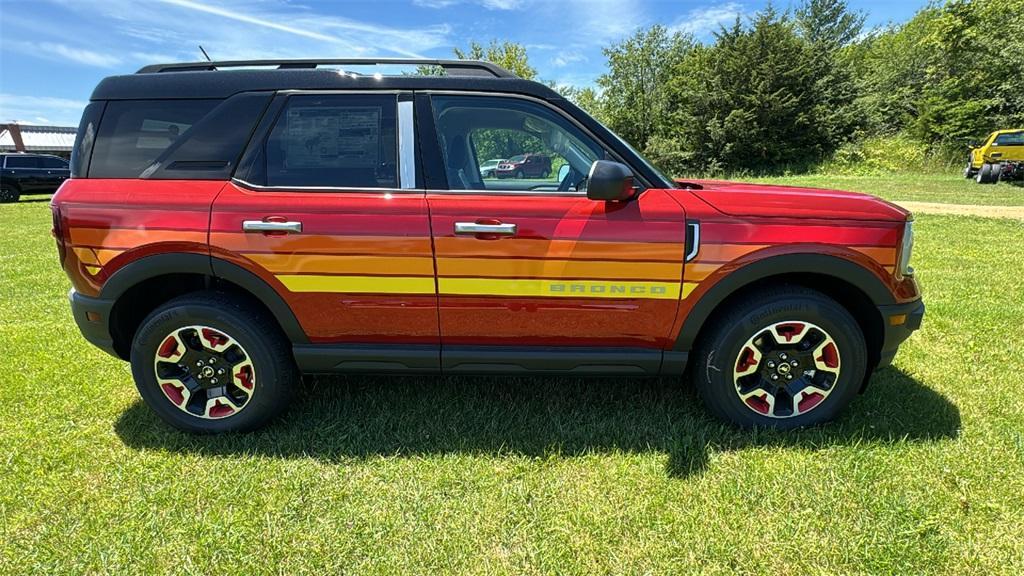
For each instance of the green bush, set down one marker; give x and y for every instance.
(896, 153)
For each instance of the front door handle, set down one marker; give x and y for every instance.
(479, 228)
(271, 226)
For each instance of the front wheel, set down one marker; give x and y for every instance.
(210, 362)
(9, 194)
(783, 358)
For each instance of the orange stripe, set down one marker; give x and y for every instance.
(359, 265)
(696, 272)
(884, 256)
(321, 244)
(120, 238)
(725, 252)
(552, 268)
(568, 249)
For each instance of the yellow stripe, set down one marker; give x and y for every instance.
(356, 265)
(560, 288)
(358, 284)
(487, 286)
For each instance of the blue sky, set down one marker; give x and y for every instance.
(53, 52)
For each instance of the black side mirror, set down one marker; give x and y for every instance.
(610, 181)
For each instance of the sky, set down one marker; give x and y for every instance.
(54, 52)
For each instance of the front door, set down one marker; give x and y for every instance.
(330, 216)
(532, 272)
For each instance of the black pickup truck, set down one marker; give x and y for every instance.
(30, 174)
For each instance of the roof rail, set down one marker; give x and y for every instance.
(451, 67)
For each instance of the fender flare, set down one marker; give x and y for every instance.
(149, 267)
(819, 264)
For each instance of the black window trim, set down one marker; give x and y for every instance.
(259, 140)
(604, 144)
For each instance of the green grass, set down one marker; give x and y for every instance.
(946, 188)
(922, 474)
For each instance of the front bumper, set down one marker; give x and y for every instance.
(93, 318)
(901, 320)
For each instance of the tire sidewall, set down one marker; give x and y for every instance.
(268, 395)
(716, 374)
(9, 194)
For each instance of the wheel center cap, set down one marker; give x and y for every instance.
(783, 369)
(207, 372)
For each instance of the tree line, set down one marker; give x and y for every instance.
(787, 90)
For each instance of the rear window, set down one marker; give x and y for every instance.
(337, 141)
(22, 162)
(58, 163)
(1012, 139)
(134, 133)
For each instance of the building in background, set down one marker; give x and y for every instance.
(56, 140)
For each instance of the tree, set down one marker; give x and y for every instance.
(634, 100)
(828, 24)
(509, 55)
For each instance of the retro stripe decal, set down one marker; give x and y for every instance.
(358, 284)
(558, 268)
(561, 288)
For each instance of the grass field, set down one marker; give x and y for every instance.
(917, 187)
(923, 474)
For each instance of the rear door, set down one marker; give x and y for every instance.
(26, 171)
(325, 208)
(531, 273)
(54, 172)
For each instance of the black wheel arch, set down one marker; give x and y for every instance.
(143, 284)
(853, 286)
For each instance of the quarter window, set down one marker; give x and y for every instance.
(336, 141)
(54, 163)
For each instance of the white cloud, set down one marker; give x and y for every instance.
(62, 53)
(702, 22)
(488, 4)
(44, 109)
(566, 58)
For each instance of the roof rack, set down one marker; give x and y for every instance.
(451, 67)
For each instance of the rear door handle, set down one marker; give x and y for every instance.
(475, 228)
(264, 226)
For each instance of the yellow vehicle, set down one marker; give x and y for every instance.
(1001, 156)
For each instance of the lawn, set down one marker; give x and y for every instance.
(946, 188)
(923, 474)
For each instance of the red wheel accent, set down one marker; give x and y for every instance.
(830, 356)
(220, 410)
(245, 377)
(789, 330)
(759, 404)
(747, 359)
(168, 347)
(809, 401)
(173, 394)
(215, 338)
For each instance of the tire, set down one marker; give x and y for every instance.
(180, 338)
(518, 175)
(969, 171)
(731, 371)
(9, 194)
(984, 174)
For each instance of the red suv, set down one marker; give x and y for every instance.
(525, 166)
(227, 231)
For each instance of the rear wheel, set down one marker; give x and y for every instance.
(8, 194)
(969, 170)
(984, 174)
(785, 358)
(209, 363)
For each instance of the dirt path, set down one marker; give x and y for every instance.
(1015, 212)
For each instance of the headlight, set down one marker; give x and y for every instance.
(906, 248)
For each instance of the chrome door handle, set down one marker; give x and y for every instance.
(262, 226)
(474, 228)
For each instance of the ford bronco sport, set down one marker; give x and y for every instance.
(228, 230)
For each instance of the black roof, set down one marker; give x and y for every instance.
(218, 80)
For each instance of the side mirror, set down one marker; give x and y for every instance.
(563, 171)
(610, 181)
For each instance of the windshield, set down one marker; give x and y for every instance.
(649, 166)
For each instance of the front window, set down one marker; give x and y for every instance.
(542, 150)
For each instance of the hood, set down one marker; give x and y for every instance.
(753, 200)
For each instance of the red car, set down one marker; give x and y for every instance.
(525, 166)
(227, 231)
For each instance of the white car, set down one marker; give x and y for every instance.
(487, 168)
